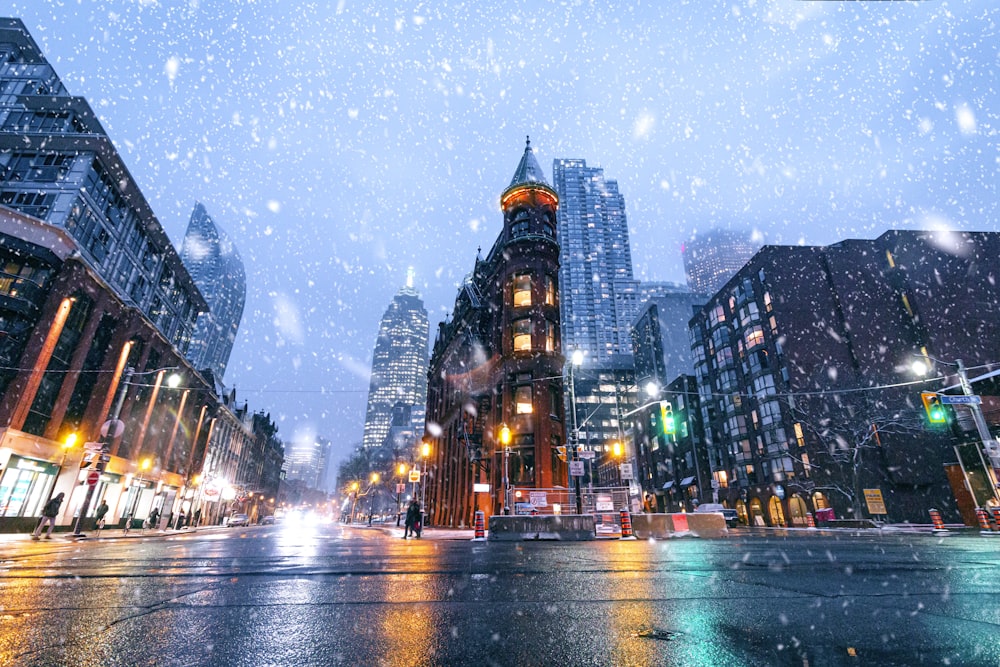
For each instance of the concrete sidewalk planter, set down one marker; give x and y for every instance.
(564, 527)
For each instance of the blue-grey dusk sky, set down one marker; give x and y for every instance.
(341, 142)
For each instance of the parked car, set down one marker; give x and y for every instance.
(732, 518)
(267, 521)
(239, 520)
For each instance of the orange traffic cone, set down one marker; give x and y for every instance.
(939, 528)
(480, 527)
(627, 533)
(809, 520)
(996, 517)
(984, 522)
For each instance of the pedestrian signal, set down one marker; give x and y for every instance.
(933, 408)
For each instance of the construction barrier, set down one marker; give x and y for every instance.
(996, 516)
(938, 523)
(480, 527)
(810, 522)
(984, 522)
(627, 533)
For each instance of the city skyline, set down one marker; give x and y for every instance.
(364, 139)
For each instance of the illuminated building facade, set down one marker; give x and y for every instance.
(498, 362)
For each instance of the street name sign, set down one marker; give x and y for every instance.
(587, 454)
(960, 400)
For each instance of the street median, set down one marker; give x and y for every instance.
(564, 527)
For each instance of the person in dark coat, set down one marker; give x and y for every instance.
(412, 520)
(100, 513)
(49, 514)
(154, 518)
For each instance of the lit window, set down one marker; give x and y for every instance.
(522, 290)
(522, 400)
(799, 438)
(522, 335)
(550, 290)
(550, 336)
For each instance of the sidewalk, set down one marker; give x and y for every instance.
(428, 533)
(106, 534)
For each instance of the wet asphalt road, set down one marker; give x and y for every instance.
(333, 595)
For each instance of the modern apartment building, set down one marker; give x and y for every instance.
(600, 299)
(803, 361)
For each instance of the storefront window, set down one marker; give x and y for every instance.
(25, 485)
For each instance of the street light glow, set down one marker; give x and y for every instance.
(577, 357)
(919, 367)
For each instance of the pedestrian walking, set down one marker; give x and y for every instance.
(411, 525)
(197, 518)
(100, 513)
(180, 520)
(154, 518)
(49, 514)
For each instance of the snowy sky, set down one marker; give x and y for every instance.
(341, 142)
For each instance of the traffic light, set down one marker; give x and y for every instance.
(933, 408)
(667, 417)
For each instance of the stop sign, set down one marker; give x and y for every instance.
(93, 477)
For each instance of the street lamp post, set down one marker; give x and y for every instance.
(576, 360)
(505, 441)
(425, 452)
(144, 465)
(401, 471)
(111, 429)
(371, 502)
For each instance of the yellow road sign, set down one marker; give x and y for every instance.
(873, 497)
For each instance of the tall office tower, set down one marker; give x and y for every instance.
(713, 257)
(599, 294)
(399, 366)
(215, 265)
(306, 461)
(660, 338)
(599, 300)
(57, 164)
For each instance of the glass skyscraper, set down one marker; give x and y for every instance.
(57, 164)
(711, 258)
(399, 366)
(215, 265)
(599, 300)
(599, 294)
